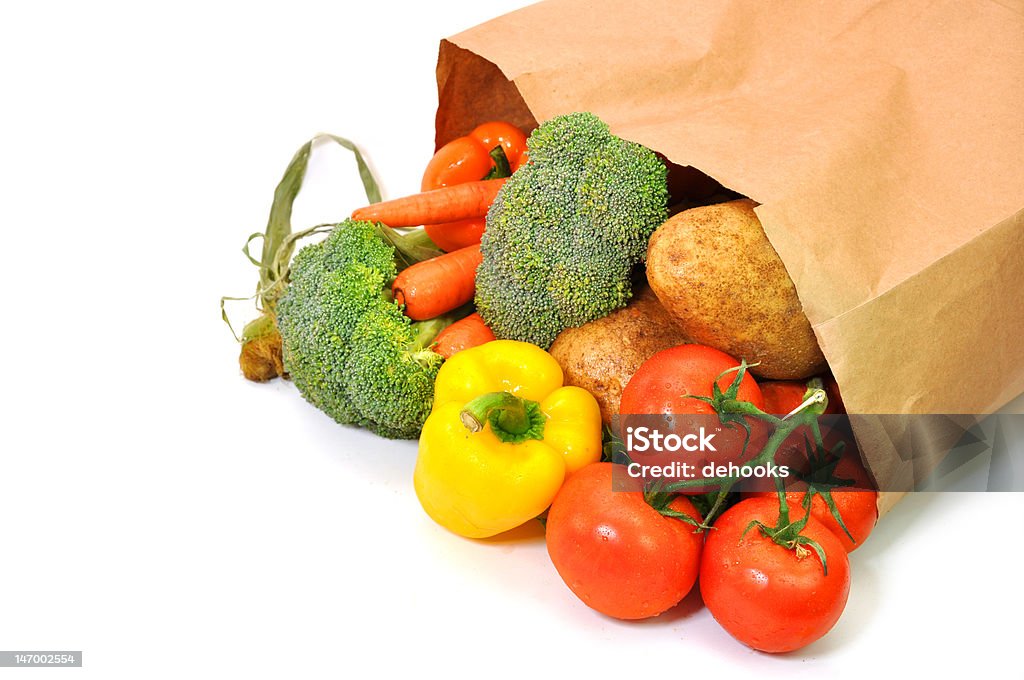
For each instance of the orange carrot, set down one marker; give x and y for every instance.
(433, 287)
(448, 204)
(468, 332)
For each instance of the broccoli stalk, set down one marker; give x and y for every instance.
(567, 230)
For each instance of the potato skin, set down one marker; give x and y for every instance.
(717, 274)
(601, 356)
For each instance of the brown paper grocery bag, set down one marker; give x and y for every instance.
(882, 140)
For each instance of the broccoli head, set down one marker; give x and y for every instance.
(566, 231)
(347, 346)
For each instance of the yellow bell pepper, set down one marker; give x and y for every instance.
(503, 435)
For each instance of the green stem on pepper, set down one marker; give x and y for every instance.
(513, 419)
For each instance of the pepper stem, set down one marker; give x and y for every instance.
(513, 419)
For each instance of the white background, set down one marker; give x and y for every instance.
(173, 520)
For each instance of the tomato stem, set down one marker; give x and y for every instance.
(728, 407)
(735, 412)
(501, 164)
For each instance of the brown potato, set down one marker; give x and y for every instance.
(716, 273)
(601, 356)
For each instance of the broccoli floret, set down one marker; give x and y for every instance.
(347, 346)
(567, 229)
(389, 374)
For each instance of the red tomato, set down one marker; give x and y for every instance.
(468, 159)
(461, 160)
(450, 236)
(767, 596)
(464, 159)
(617, 553)
(666, 383)
(857, 505)
(780, 398)
(511, 138)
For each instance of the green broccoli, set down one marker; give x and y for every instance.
(567, 229)
(346, 344)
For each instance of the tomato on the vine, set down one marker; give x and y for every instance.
(856, 504)
(782, 397)
(768, 596)
(667, 383)
(615, 551)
